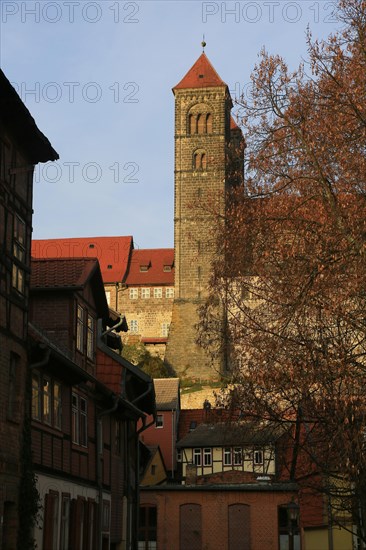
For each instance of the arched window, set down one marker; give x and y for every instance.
(200, 124)
(200, 160)
(192, 124)
(203, 161)
(209, 123)
(196, 161)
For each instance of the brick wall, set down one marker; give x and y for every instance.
(214, 508)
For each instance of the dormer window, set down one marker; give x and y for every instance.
(167, 268)
(91, 246)
(145, 266)
(109, 266)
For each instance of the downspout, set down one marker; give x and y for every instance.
(150, 387)
(99, 445)
(120, 322)
(43, 362)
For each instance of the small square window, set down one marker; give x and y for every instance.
(165, 329)
(134, 325)
(158, 292)
(258, 456)
(159, 421)
(197, 457)
(134, 293)
(227, 456)
(145, 293)
(207, 457)
(238, 456)
(169, 292)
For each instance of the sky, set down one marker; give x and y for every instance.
(98, 78)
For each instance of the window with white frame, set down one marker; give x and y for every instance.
(227, 456)
(169, 292)
(79, 410)
(134, 325)
(238, 456)
(159, 421)
(145, 293)
(258, 456)
(207, 457)
(158, 292)
(165, 329)
(197, 457)
(133, 293)
(108, 296)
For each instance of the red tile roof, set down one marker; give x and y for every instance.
(233, 124)
(154, 259)
(166, 393)
(61, 273)
(200, 75)
(112, 252)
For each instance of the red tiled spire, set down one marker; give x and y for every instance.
(200, 75)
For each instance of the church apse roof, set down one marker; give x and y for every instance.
(201, 75)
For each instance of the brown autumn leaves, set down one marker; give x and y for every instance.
(291, 273)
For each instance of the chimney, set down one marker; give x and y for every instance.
(191, 474)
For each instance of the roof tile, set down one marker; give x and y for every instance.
(112, 252)
(155, 274)
(166, 393)
(200, 75)
(61, 272)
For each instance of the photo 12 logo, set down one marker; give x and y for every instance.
(270, 12)
(90, 92)
(90, 172)
(70, 12)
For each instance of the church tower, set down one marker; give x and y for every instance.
(204, 135)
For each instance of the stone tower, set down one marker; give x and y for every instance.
(204, 135)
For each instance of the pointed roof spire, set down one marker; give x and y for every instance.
(200, 75)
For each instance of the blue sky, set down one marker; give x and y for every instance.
(97, 77)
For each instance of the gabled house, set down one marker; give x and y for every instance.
(229, 498)
(163, 432)
(153, 471)
(85, 405)
(22, 145)
(231, 452)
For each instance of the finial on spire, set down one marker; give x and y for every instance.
(203, 43)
